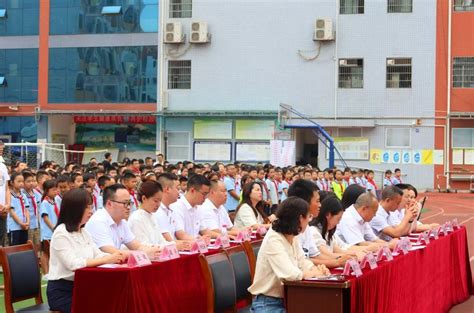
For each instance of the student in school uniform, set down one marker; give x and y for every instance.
(281, 257)
(129, 180)
(34, 201)
(49, 213)
(387, 181)
(63, 187)
(18, 220)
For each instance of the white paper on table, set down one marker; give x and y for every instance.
(416, 248)
(188, 252)
(109, 265)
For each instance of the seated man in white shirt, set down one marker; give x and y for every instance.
(188, 222)
(381, 224)
(213, 213)
(164, 217)
(309, 191)
(354, 227)
(109, 228)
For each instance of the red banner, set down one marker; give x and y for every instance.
(115, 119)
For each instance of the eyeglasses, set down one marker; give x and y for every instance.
(203, 193)
(126, 204)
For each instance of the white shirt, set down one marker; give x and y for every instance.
(245, 217)
(145, 229)
(278, 259)
(69, 252)
(105, 232)
(4, 178)
(187, 217)
(308, 244)
(165, 221)
(320, 241)
(272, 186)
(381, 221)
(353, 229)
(212, 217)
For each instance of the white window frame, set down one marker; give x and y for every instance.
(188, 146)
(452, 137)
(404, 128)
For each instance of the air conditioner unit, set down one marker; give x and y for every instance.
(199, 32)
(390, 62)
(173, 33)
(323, 29)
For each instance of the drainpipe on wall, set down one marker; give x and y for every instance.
(448, 101)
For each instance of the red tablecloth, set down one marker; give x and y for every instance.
(430, 280)
(172, 286)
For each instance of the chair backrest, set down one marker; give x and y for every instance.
(219, 275)
(21, 274)
(242, 271)
(256, 246)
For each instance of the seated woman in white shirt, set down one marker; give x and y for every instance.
(323, 229)
(72, 248)
(141, 221)
(249, 212)
(281, 258)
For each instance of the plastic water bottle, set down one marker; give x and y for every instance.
(224, 230)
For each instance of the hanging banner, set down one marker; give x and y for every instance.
(416, 156)
(375, 156)
(386, 156)
(115, 119)
(406, 157)
(396, 157)
(427, 157)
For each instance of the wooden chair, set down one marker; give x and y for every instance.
(22, 277)
(240, 260)
(220, 282)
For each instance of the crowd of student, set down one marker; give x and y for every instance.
(91, 215)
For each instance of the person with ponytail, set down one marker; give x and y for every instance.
(49, 213)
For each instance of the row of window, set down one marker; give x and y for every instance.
(21, 17)
(396, 6)
(82, 75)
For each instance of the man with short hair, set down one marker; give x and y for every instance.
(381, 223)
(354, 227)
(186, 215)
(164, 216)
(233, 188)
(214, 214)
(108, 227)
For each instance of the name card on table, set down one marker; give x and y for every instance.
(169, 252)
(243, 236)
(261, 230)
(138, 258)
(442, 230)
(435, 233)
(455, 224)
(354, 266)
(402, 246)
(222, 241)
(199, 246)
(370, 259)
(424, 236)
(384, 251)
(448, 227)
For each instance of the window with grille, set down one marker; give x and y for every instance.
(399, 73)
(463, 72)
(463, 5)
(181, 8)
(400, 6)
(178, 146)
(351, 73)
(351, 7)
(179, 74)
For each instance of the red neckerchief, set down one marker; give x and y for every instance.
(94, 198)
(132, 193)
(288, 182)
(22, 203)
(370, 180)
(33, 201)
(56, 210)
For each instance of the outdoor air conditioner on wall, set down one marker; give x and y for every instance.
(323, 29)
(199, 32)
(173, 33)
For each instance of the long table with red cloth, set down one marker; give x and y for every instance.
(429, 280)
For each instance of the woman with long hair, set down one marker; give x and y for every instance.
(250, 212)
